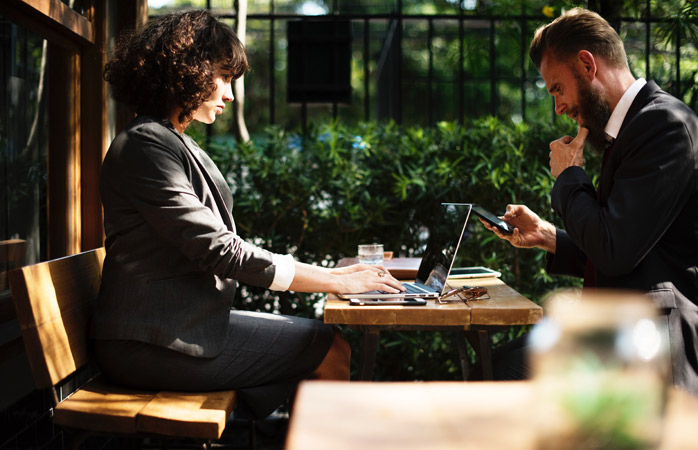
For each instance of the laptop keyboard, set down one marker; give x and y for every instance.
(410, 288)
(413, 288)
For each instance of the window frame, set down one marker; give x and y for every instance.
(77, 111)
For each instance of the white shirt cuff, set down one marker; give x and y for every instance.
(284, 273)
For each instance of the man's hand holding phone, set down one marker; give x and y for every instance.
(529, 230)
(491, 219)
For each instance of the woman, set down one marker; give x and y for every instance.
(163, 318)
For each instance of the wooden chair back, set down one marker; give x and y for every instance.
(54, 301)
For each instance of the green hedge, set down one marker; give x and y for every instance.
(320, 194)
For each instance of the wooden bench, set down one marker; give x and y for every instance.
(54, 301)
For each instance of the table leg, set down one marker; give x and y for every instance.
(463, 354)
(368, 356)
(480, 340)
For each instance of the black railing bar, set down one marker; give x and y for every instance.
(385, 52)
(647, 42)
(367, 74)
(493, 70)
(335, 108)
(461, 70)
(398, 63)
(522, 67)
(430, 72)
(272, 62)
(677, 92)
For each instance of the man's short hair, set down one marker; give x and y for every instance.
(575, 30)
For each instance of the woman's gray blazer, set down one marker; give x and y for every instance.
(172, 251)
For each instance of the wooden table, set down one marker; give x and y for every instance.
(440, 416)
(471, 320)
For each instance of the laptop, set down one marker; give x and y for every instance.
(442, 246)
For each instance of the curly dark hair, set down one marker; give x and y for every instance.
(172, 61)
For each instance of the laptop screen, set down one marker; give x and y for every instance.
(444, 239)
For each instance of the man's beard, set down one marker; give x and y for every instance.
(595, 112)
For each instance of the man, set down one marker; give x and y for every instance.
(640, 229)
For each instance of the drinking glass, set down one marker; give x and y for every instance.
(371, 254)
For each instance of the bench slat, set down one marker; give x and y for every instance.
(200, 415)
(102, 407)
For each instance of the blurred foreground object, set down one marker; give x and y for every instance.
(600, 361)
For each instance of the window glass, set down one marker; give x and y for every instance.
(23, 144)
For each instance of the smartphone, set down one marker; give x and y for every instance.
(393, 301)
(492, 219)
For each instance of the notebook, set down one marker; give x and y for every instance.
(442, 246)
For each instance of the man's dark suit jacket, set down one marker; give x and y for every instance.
(642, 232)
(172, 251)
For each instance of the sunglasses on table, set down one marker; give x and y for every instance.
(464, 293)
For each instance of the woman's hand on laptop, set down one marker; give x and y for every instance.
(359, 278)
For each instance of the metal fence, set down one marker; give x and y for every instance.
(419, 69)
